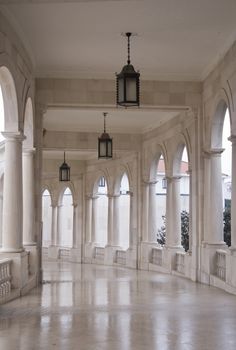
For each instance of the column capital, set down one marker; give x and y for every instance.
(232, 138)
(213, 152)
(189, 171)
(13, 136)
(29, 151)
(41, 108)
(95, 196)
(173, 178)
(149, 183)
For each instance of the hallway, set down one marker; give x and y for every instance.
(92, 307)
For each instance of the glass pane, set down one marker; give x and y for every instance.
(109, 149)
(120, 90)
(102, 148)
(131, 94)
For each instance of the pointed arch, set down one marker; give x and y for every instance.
(96, 179)
(29, 124)
(46, 218)
(11, 117)
(217, 124)
(124, 209)
(65, 217)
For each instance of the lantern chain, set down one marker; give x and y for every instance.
(105, 114)
(128, 36)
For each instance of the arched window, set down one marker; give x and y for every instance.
(28, 125)
(226, 164)
(66, 220)
(46, 219)
(161, 186)
(124, 209)
(184, 199)
(102, 212)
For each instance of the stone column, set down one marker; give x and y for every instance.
(59, 225)
(12, 194)
(88, 227)
(132, 232)
(116, 221)
(190, 211)
(110, 220)
(29, 237)
(233, 193)
(152, 217)
(214, 213)
(145, 205)
(94, 219)
(75, 221)
(1, 204)
(54, 225)
(173, 216)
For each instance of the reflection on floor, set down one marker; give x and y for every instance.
(90, 307)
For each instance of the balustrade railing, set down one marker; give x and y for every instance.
(180, 257)
(221, 264)
(5, 277)
(64, 253)
(99, 253)
(121, 257)
(156, 257)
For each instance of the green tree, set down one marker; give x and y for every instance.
(185, 230)
(227, 225)
(161, 233)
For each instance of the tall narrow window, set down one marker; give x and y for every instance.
(102, 212)
(161, 187)
(226, 164)
(66, 221)
(184, 199)
(46, 219)
(124, 206)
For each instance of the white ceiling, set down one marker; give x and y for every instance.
(130, 121)
(177, 39)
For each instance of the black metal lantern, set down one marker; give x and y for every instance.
(104, 143)
(127, 83)
(64, 171)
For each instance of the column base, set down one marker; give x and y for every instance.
(53, 252)
(146, 253)
(88, 252)
(29, 244)
(169, 256)
(11, 250)
(34, 252)
(76, 254)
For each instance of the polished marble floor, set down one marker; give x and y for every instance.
(88, 307)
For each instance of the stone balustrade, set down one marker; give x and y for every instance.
(121, 257)
(156, 257)
(180, 257)
(5, 278)
(221, 264)
(99, 253)
(64, 253)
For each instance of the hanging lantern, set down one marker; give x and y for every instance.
(64, 171)
(104, 143)
(127, 83)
